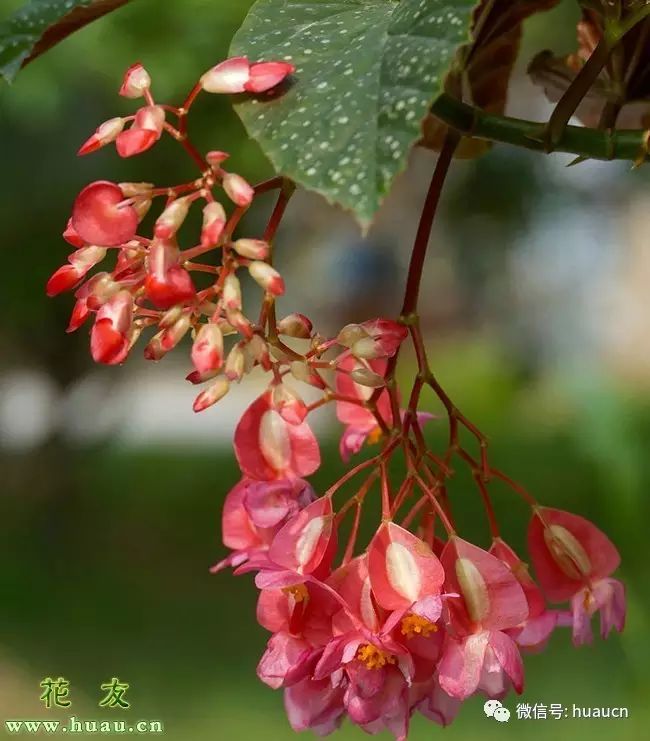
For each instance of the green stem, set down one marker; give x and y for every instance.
(622, 144)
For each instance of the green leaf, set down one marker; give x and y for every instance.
(366, 74)
(40, 24)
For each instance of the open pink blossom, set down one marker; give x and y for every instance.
(573, 560)
(101, 216)
(478, 654)
(269, 447)
(254, 512)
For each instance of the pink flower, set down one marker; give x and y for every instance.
(478, 654)
(375, 338)
(535, 631)
(254, 512)
(268, 447)
(101, 216)
(207, 349)
(109, 338)
(573, 560)
(167, 283)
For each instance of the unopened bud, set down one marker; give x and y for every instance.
(254, 249)
(228, 76)
(267, 277)
(171, 219)
(350, 334)
(367, 377)
(215, 158)
(174, 334)
(301, 371)
(104, 134)
(237, 189)
(259, 351)
(136, 81)
(239, 322)
(236, 363)
(295, 325)
(232, 292)
(212, 394)
(214, 220)
(207, 350)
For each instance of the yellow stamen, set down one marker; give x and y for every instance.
(375, 435)
(373, 657)
(414, 625)
(297, 591)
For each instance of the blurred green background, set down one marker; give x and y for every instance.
(110, 523)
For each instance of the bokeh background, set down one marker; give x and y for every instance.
(535, 303)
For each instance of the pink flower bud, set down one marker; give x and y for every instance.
(259, 351)
(109, 338)
(237, 189)
(295, 325)
(207, 350)
(80, 313)
(67, 276)
(232, 292)
(228, 76)
(214, 220)
(171, 219)
(367, 377)
(101, 217)
(290, 406)
(265, 75)
(136, 81)
(254, 249)
(154, 349)
(350, 334)
(267, 277)
(211, 395)
(104, 134)
(145, 132)
(172, 335)
(302, 372)
(239, 322)
(130, 190)
(215, 157)
(237, 363)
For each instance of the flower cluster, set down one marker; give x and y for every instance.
(417, 619)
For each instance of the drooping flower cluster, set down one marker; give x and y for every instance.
(418, 619)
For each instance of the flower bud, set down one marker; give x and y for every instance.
(229, 76)
(301, 371)
(174, 334)
(350, 334)
(104, 134)
(170, 317)
(145, 132)
(267, 277)
(171, 219)
(232, 292)
(215, 158)
(254, 249)
(214, 220)
(295, 325)
(266, 75)
(236, 363)
(290, 406)
(367, 377)
(207, 350)
(259, 351)
(109, 338)
(136, 81)
(130, 190)
(67, 276)
(239, 322)
(211, 395)
(237, 189)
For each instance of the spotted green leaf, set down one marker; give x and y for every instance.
(40, 24)
(366, 74)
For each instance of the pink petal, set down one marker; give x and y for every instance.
(301, 544)
(265, 75)
(597, 554)
(509, 658)
(459, 671)
(402, 568)
(229, 76)
(98, 218)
